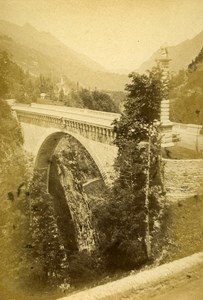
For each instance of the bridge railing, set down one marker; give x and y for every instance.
(91, 127)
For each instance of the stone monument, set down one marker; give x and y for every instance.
(166, 124)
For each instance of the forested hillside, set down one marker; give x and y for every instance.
(186, 93)
(16, 84)
(26, 88)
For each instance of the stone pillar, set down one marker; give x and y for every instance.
(166, 124)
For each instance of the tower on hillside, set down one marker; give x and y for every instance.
(62, 86)
(166, 124)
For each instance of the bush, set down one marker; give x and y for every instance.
(83, 268)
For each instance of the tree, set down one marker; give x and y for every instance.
(95, 100)
(14, 83)
(86, 97)
(61, 95)
(134, 206)
(102, 101)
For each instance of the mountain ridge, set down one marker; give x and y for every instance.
(31, 35)
(181, 54)
(43, 48)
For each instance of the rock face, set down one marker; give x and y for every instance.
(71, 168)
(64, 219)
(79, 209)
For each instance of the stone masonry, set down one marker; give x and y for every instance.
(183, 177)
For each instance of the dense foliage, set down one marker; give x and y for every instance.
(14, 205)
(95, 100)
(132, 215)
(47, 254)
(20, 85)
(3, 73)
(11, 141)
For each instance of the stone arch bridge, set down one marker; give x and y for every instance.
(43, 126)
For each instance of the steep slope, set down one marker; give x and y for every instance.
(186, 93)
(40, 52)
(197, 62)
(27, 58)
(181, 54)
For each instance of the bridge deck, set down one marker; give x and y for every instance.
(98, 118)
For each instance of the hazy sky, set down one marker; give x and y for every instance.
(119, 34)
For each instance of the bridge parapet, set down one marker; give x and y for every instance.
(94, 127)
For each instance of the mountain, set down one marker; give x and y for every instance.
(181, 54)
(186, 93)
(40, 52)
(197, 62)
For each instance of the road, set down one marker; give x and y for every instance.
(191, 290)
(186, 286)
(171, 281)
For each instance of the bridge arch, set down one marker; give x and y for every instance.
(47, 149)
(73, 211)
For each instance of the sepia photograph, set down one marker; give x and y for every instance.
(101, 149)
